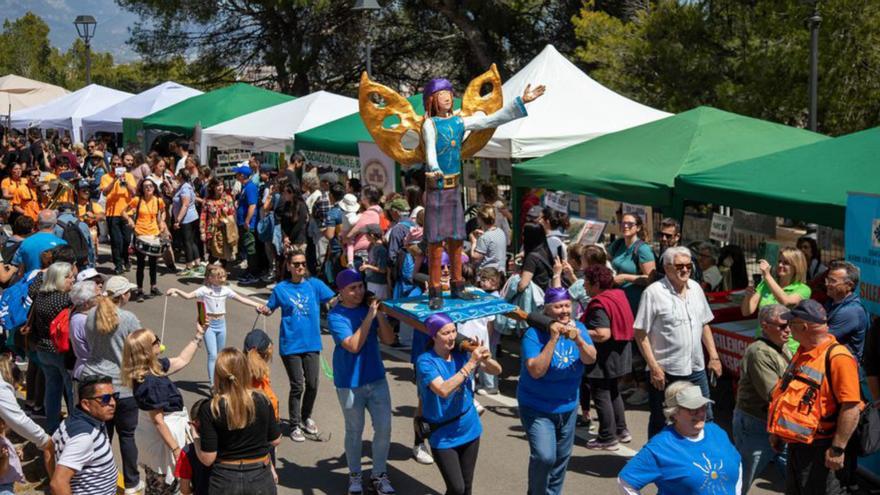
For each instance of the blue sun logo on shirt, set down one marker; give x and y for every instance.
(564, 357)
(300, 304)
(714, 479)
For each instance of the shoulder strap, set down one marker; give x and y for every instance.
(828, 358)
(137, 210)
(635, 254)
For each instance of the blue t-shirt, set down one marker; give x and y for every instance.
(250, 195)
(354, 370)
(436, 409)
(186, 191)
(300, 314)
(378, 257)
(557, 391)
(623, 263)
(31, 248)
(333, 219)
(679, 466)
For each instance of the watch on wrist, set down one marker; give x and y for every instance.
(836, 451)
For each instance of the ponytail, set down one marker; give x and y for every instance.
(106, 315)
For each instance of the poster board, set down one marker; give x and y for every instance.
(862, 234)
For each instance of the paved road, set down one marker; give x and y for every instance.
(319, 468)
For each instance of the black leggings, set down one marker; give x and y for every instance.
(189, 232)
(302, 371)
(457, 466)
(141, 261)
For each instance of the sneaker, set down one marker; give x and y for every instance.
(624, 437)
(118, 271)
(479, 407)
(247, 280)
(127, 266)
(482, 392)
(595, 444)
(186, 273)
(421, 454)
(310, 427)
(140, 296)
(296, 434)
(268, 278)
(154, 291)
(136, 490)
(355, 484)
(638, 398)
(198, 271)
(381, 484)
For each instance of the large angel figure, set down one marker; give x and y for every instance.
(443, 142)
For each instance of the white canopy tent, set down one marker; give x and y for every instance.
(272, 129)
(575, 108)
(67, 112)
(136, 107)
(18, 93)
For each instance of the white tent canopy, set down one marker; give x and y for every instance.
(272, 129)
(21, 92)
(136, 107)
(575, 108)
(67, 112)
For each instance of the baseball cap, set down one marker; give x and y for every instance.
(808, 310)
(534, 213)
(689, 397)
(257, 339)
(242, 169)
(118, 285)
(88, 274)
(398, 204)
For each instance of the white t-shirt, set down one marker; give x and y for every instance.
(214, 298)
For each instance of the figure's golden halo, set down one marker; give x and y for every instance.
(395, 140)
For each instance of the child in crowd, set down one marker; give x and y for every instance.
(376, 268)
(258, 348)
(213, 295)
(580, 257)
(193, 475)
(10, 461)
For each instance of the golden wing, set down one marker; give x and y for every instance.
(401, 141)
(472, 102)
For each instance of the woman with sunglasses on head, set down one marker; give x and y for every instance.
(162, 422)
(106, 328)
(300, 298)
(146, 215)
(632, 259)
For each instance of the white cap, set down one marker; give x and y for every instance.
(118, 285)
(88, 274)
(689, 397)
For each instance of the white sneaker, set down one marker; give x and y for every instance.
(638, 398)
(421, 454)
(136, 490)
(479, 407)
(382, 485)
(355, 484)
(310, 427)
(297, 435)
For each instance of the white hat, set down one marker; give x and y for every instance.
(118, 285)
(88, 274)
(349, 204)
(689, 397)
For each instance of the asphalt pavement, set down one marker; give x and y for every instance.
(319, 467)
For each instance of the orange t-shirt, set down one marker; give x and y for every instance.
(119, 197)
(96, 210)
(265, 386)
(26, 198)
(66, 196)
(147, 222)
(13, 186)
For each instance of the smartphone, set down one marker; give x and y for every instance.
(203, 316)
(120, 172)
(560, 252)
(713, 379)
(756, 278)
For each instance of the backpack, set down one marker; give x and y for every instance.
(75, 238)
(59, 330)
(867, 433)
(15, 303)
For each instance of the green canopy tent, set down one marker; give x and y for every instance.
(808, 183)
(639, 165)
(213, 108)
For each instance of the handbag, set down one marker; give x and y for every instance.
(424, 428)
(231, 230)
(867, 433)
(59, 330)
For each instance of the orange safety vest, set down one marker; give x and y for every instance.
(797, 411)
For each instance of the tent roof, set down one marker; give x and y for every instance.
(68, 111)
(575, 108)
(21, 93)
(342, 136)
(213, 108)
(136, 107)
(639, 165)
(808, 183)
(272, 129)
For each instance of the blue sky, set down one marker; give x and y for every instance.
(112, 29)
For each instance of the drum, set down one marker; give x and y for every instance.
(149, 245)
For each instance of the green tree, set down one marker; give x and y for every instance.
(24, 47)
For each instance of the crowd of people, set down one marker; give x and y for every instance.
(605, 321)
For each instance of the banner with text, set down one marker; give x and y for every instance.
(377, 168)
(862, 241)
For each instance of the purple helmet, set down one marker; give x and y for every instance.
(433, 86)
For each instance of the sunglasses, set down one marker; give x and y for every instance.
(666, 236)
(106, 398)
(297, 263)
(628, 225)
(781, 326)
(682, 266)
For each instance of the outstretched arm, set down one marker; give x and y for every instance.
(246, 301)
(513, 110)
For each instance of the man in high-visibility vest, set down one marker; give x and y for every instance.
(815, 409)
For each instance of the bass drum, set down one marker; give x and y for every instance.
(149, 245)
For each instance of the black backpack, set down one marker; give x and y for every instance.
(76, 240)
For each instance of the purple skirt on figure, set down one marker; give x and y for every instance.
(444, 215)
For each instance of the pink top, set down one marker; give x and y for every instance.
(370, 216)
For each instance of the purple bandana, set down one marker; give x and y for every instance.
(444, 258)
(437, 321)
(556, 294)
(433, 86)
(346, 278)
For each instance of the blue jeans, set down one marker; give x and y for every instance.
(7, 489)
(215, 339)
(753, 443)
(551, 437)
(657, 421)
(376, 398)
(58, 382)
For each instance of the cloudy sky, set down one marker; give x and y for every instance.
(112, 29)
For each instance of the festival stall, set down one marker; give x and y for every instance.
(150, 101)
(575, 109)
(18, 93)
(67, 112)
(272, 129)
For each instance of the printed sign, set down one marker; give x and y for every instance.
(332, 160)
(862, 242)
(556, 201)
(591, 233)
(377, 168)
(722, 228)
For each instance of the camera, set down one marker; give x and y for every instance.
(369, 297)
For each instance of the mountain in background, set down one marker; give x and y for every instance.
(110, 35)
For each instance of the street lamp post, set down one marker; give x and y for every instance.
(369, 6)
(814, 21)
(85, 28)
